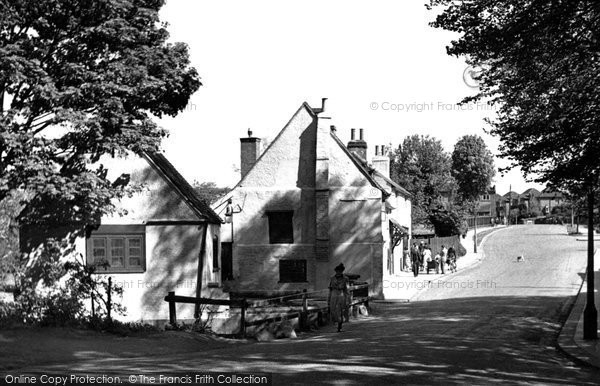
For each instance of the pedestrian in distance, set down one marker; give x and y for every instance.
(428, 259)
(338, 295)
(415, 257)
(452, 259)
(443, 255)
(422, 253)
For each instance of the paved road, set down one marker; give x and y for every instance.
(493, 323)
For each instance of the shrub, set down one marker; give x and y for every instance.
(51, 292)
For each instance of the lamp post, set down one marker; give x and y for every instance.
(590, 314)
(475, 229)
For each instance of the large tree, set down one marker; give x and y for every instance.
(540, 62)
(472, 167)
(421, 165)
(80, 79)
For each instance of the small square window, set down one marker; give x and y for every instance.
(281, 228)
(292, 271)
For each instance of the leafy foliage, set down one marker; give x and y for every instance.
(449, 221)
(540, 61)
(209, 191)
(472, 167)
(421, 166)
(51, 291)
(78, 80)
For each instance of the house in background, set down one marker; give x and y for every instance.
(169, 240)
(489, 204)
(511, 198)
(308, 203)
(550, 198)
(530, 198)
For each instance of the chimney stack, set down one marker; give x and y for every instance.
(358, 146)
(249, 152)
(381, 161)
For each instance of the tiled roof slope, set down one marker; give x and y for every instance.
(201, 207)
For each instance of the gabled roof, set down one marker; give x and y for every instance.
(359, 162)
(394, 184)
(303, 106)
(368, 171)
(185, 190)
(533, 191)
(552, 191)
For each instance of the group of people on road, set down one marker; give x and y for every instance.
(422, 259)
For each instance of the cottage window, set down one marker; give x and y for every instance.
(281, 229)
(215, 254)
(485, 197)
(292, 271)
(121, 246)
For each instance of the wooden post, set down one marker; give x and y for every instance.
(108, 299)
(349, 306)
(197, 313)
(93, 305)
(304, 314)
(243, 318)
(475, 229)
(172, 309)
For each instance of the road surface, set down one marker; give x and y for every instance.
(496, 322)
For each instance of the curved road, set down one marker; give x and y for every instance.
(496, 322)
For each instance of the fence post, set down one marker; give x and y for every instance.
(304, 314)
(349, 306)
(172, 309)
(93, 305)
(108, 299)
(243, 318)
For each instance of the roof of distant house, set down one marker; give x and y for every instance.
(552, 194)
(199, 206)
(533, 191)
(511, 194)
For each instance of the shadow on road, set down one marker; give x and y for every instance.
(468, 340)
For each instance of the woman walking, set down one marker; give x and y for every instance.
(338, 295)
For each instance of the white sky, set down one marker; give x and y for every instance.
(260, 59)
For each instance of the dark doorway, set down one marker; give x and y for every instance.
(226, 261)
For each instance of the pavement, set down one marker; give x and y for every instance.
(404, 287)
(570, 340)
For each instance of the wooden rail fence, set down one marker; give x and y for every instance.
(358, 295)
